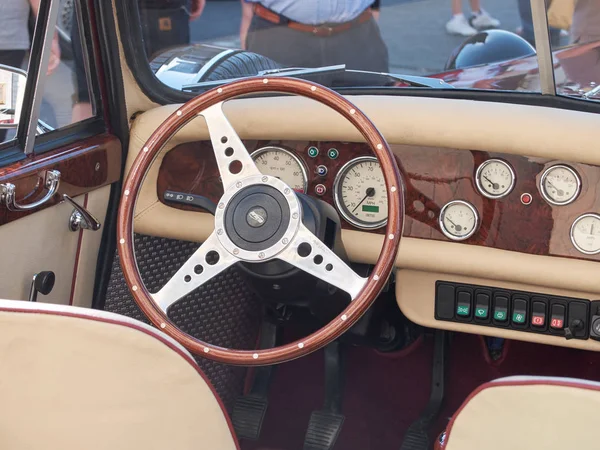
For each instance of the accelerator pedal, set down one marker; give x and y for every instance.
(325, 424)
(248, 415)
(417, 436)
(323, 430)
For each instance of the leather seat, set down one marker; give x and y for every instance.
(73, 378)
(524, 413)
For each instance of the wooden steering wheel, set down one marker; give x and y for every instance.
(259, 218)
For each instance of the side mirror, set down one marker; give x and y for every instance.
(12, 89)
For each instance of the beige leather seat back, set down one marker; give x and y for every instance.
(73, 379)
(525, 413)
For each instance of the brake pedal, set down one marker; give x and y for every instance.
(323, 430)
(249, 410)
(248, 415)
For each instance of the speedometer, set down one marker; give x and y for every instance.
(283, 164)
(360, 193)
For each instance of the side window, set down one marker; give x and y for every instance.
(63, 86)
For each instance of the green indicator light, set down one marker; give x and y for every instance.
(333, 153)
(500, 316)
(313, 152)
(369, 208)
(462, 310)
(518, 317)
(481, 313)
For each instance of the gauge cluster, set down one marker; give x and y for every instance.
(503, 201)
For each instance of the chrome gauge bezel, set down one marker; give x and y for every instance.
(271, 148)
(543, 189)
(446, 232)
(339, 202)
(480, 169)
(573, 225)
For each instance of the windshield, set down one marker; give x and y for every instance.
(193, 45)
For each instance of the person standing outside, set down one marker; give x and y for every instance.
(479, 19)
(314, 33)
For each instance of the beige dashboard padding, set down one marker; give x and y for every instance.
(545, 414)
(75, 378)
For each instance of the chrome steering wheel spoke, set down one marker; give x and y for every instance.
(309, 253)
(231, 154)
(206, 263)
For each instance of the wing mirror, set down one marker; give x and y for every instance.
(12, 90)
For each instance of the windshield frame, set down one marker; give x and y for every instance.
(130, 29)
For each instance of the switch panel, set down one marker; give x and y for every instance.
(517, 310)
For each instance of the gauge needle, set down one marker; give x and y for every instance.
(592, 229)
(370, 193)
(494, 185)
(558, 191)
(456, 227)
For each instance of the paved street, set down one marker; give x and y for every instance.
(414, 30)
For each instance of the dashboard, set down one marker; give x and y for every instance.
(529, 205)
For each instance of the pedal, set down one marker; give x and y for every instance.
(249, 410)
(323, 430)
(417, 436)
(248, 415)
(325, 424)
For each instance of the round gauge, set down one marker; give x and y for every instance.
(360, 193)
(283, 164)
(560, 185)
(458, 220)
(495, 178)
(585, 234)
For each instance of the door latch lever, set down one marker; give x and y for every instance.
(81, 218)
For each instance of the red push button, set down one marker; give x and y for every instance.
(320, 189)
(557, 324)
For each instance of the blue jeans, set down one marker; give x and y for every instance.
(527, 24)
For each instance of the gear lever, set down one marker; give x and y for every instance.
(43, 283)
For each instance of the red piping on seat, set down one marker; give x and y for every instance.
(493, 384)
(156, 336)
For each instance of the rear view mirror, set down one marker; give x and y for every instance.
(12, 89)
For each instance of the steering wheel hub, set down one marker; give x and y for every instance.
(257, 218)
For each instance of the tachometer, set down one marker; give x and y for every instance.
(283, 164)
(360, 193)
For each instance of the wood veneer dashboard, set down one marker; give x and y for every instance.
(434, 176)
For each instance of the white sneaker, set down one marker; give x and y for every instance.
(460, 25)
(483, 21)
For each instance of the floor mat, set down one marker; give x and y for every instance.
(223, 311)
(385, 394)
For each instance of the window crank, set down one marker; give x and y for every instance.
(81, 219)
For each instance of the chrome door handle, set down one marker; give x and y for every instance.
(81, 218)
(8, 196)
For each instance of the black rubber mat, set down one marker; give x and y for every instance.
(223, 312)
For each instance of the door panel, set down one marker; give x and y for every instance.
(40, 239)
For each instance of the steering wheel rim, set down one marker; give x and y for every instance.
(208, 105)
